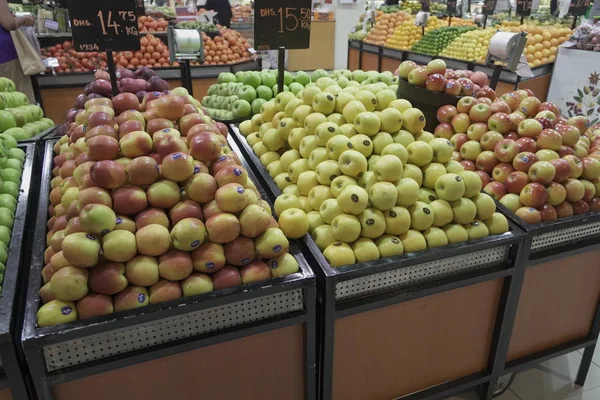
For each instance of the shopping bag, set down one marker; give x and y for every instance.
(29, 58)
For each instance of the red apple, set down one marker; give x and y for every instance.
(516, 181)
(527, 144)
(529, 214)
(548, 212)
(533, 195)
(506, 150)
(501, 172)
(495, 189)
(523, 161)
(446, 113)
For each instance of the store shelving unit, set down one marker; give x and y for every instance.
(250, 332)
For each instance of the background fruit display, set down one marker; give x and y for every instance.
(227, 48)
(149, 204)
(242, 13)
(587, 37)
(434, 42)
(151, 24)
(358, 172)
(408, 34)
(384, 27)
(19, 119)
(435, 77)
(470, 46)
(198, 25)
(534, 161)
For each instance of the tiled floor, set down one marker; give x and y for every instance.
(552, 380)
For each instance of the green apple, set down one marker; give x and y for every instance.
(318, 195)
(306, 181)
(282, 100)
(323, 82)
(339, 183)
(292, 189)
(256, 105)
(352, 109)
(424, 136)
(397, 221)
(291, 107)
(363, 144)
(383, 195)
(365, 250)
(316, 157)
(298, 167)
(367, 123)
(372, 161)
(400, 105)
(241, 109)
(309, 93)
(346, 228)
(455, 233)
(327, 171)
(272, 140)
(314, 220)
(408, 192)
(421, 216)
(372, 222)
(300, 113)
(313, 121)
(472, 183)
(442, 150)
(324, 103)
(403, 137)
(333, 89)
(367, 180)
(367, 98)
(274, 169)
(413, 172)
(329, 210)
(454, 167)
(427, 195)
(264, 92)
(435, 237)
(269, 157)
(450, 187)
(477, 230)
(413, 241)
(380, 141)
(285, 127)
(343, 98)
(336, 145)
(388, 168)
(323, 236)
(384, 99)
(431, 173)
(284, 202)
(397, 150)
(283, 180)
(268, 110)
(389, 246)
(391, 120)
(352, 163)
(419, 153)
(413, 120)
(302, 78)
(325, 131)
(511, 201)
(288, 158)
(337, 119)
(296, 88)
(464, 211)
(442, 211)
(246, 92)
(307, 145)
(353, 199)
(486, 206)
(296, 136)
(338, 254)
(497, 224)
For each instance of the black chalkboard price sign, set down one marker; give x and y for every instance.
(104, 25)
(282, 23)
(140, 8)
(579, 7)
(425, 7)
(488, 7)
(451, 7)
(524, 8)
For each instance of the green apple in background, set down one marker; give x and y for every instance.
(455, 233)
(275, 89)
(264, 92)
(268, 78)
(302, 78)
(323, 236)
(413, 241)
(247, 93)
(6, 217)
(359, 75)
(252, 78)
(239, 76)
(256, 105)
(367, 98)
(226, 77)
(397, 150)
(353, 163)
(309, 93)
(431, 173)
(340, 183)
(477, 230)
(450, 187)
(306, 181)
(318, 73)
(241, 109)
(288, 78)
(403, 137)
(435, 237)
(324, 103)
(295, 87)
(365, 250)
(388, 168)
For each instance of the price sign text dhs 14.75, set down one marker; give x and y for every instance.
(104, 25)
(282, 23)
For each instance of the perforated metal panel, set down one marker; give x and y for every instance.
(79, 351)
(565, 236)
(420, 273)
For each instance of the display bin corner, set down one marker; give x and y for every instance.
(271, 324)
(444, 295)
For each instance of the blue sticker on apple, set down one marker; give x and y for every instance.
(141, 297)
(222, 158)
(196, 170)
(177, 156)
(277, 249)
(91, 237)
(240, 189)
(274, 264)
(119, 220)
(195, 243)
(237, 171)
(66, 310)
(166, 130)
(157, 93)
(210, 265)
(245, 261)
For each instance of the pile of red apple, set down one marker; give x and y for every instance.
(435, 77)
(536, 162)
(149, 204)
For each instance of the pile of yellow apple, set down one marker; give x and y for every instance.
(358, 172)
(456, 21)
(469, 46)
(408, 34)
(384, 27)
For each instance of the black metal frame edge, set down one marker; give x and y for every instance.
(34, 339)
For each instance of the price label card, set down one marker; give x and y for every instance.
(104, 25)
(425, 6)
(451, 7)
(282, 23)
(578, 7)
(488, 7)
(524, 7)
(51, 24)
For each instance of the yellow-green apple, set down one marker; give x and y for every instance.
(556, 193)
(188, 234)
(398, 150)
(506, 150)
(307, 145)
(327, 171)
(314, 220)
(408, 192)
(389, 167)
(486, 161)
(119, 246)
(354, 164)
(353, 199)
(142, 270)
(477, 130)
(570, 134)
(373, 223)
(338, 254)
(367, 180)
(421, 216)
(460, 123)
(511, 201)
(547, 155)
(383, 195)
(97, 219)
(470, 150)
(413, 120)
(405, 68)
(591, 168)
(306, 181)
(442, 150)
(575, 164)
(272, 243)
(397, 221)
(414, 172)
(346, 228)
(323, 236)
(450, 187)
(153, 240)
(317, 156)
(529, 214)
(367, 123)
(490, 139)
(455, 233)
(464, 104)
(435, 237)
(325, 131)
(298, 167)
(419, 153)
(427, 195)
(231, 198)
(348, 129)
(431, 173)
(541, 172)
(289, 157)
(590, 190)
(254, 220)
(464, 210)
(367, 98)
(389, 246)
(365, 250)
(458, 140)
(135, 144)
(523, 161)
(329, 210)
(580, 122)
(530, 128)
(352, 109)
(480, 113)
(337, 145)
(476, 230)
(485, 206)
(444, 130)
(318, 195)
(530, 106)
(283, 265)
(201, 188)
(163, 194)
(391, 120)
(403, 137)
(363, 144)
(69, 283)
(413, 241)
(575, 190)
(549, 139)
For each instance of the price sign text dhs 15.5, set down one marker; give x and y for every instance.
(104, 25)
(282, 23)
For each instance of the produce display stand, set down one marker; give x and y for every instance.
(13, 371)
(39, 136)
(370, 57)
(57, 93)
(557, 309)
(262, 335)
(423, 325)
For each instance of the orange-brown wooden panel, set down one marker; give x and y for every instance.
(389, 64)
(396, 350)
(369, 61)
(58, 101)
(353, 56)
(200, 86)
(5, 394)
(557, 304)
(265, 366)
